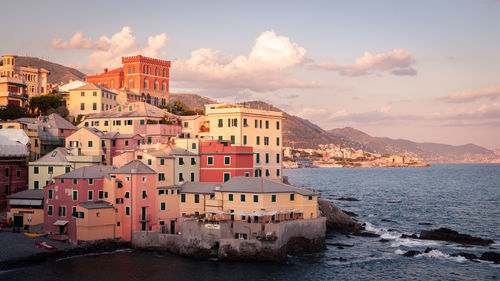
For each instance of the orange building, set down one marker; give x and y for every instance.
(147, 77)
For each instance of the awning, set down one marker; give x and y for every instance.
(60, 223)
(25, 202)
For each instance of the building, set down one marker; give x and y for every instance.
(57, 162)
(95, 220)
(194, 126)
(85, 184)
(63, 90)
(34, 78)
(246, 198)
(147, 77)
(260, 129)
(13, 169)
(90, 98)
(13, 91)
(136, 118)
(26, 208)
(220, 161)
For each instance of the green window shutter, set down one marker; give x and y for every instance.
(310, 197)
(244, 140)
(75, 195)
(50, 193)
(90, 143)
(36, 184)
(256, 198)
(227, 160)
(150, 162)
(292, 196)
(196, 198)
(233, 139)
(67, 169)
(227, 176)
(35, 170)
(210, 160)
(142, 122)
(230, 197)
(101, 194)
(163, 206)
(277, 157)
(49, 211)
(127, 211)
(162, 162)
(267, 157)
(75, 181)
(183, 198)
(242, 198)
(273, 198)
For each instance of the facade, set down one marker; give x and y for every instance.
(13, 91)
(26, 208)
(35, 79)
(195, 126)
(186, 165)
(244, 198)
(90, 98)
(13, 170)
(57, 162)
(68, 190)
(220, 161)
(147, 77)
(95, 220)
(260, 129)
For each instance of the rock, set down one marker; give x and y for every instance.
(393, 202)
(393, 230)
(352, 214)
(383, 240)
(340, 248)
(341, 259)
(386, 220)
(445, 234)
(430, 249)
(491, 256)
(424, 223)
(366, 234)
(347, 199)
(412, 253)
(413, 236)
(465, 255)
(340, 244)
(336, 220)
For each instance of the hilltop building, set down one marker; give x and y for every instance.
(90, 98)
(147, 77)
(13, 91)
(35, 79)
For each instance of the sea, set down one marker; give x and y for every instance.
(392, 201)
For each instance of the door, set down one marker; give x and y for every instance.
(18, 220)
(143, 218)
(172, 227)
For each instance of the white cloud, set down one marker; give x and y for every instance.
(491, 93)
(107, 51)
(385, 109)
(397, 62)
(262, 70)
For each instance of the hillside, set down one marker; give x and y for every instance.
(58, 73)
(429, 152)
(192, 100)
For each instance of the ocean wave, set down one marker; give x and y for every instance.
(127, 250)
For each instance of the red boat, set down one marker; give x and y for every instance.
(45, 245)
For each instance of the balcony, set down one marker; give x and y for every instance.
(145, 218)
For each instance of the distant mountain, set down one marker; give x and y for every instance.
(58, 73)
(429, 152)
(194, 101)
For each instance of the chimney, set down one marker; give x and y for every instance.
(105, 70)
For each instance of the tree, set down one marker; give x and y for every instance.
(61, 110)
(12, 111)
(41, 104)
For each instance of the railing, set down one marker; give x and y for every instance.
(145, 218)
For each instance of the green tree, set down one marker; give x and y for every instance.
(12, 111)
(41, 104)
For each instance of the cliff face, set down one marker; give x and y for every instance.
(336, 219)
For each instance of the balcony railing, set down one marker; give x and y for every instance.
(145, 218)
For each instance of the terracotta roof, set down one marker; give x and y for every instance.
(134, 167)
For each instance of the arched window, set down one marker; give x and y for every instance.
(164, 86)
(156, 85)
(112, 84)
(131, 83)
(144, 70)
(133, 69)
(156, 71)
(146, 84)
(148, 70)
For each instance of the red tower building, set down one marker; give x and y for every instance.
(145, 76)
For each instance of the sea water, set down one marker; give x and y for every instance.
(393, 201)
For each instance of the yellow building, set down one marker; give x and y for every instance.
(26, 206)
(261, 129)
(96, 220)
(35, 79)
(90, 98)
(13, 91)
(246, 198)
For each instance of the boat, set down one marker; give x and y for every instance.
(45, 245)
(31, 234)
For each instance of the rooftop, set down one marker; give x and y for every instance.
(28, 194)
(95, 205)
(88, 172)
(176, 150)
(57, 155)
(134, 167)
(92, 86)
(136, 109)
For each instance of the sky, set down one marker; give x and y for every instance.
(426, 71)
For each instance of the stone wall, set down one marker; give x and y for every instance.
(196, 240)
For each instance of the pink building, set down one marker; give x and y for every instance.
(220, 161)
(67, 191)
(135, 198)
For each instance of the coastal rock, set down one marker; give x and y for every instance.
(465, 255)
(340, 244)
(445, 234)
(412, 253)
(424, 223)
(387, 220)
(352, 214)
(341, 259)
(430, 249)
(491, 256)
(347, 199)
(383, 240)
(366, 234)
(413, 236)
(336, 219)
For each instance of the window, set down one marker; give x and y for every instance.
(220, 137)
(247, 174)
(292, 196)
(141, 122)
(82, 107)
(278, 141)
(193, 161)
(244, 140)
(196, 198)
(257, 140)
(277, 172)
(161, 192)
(257, 158)
(210, 160)
(35, 170)
(101, 194)
(273, 198)
(267, 157)
(144, 194)
(51, 193)
(256, 123)
(227, 176)
(181, 161)
(267, 173)
(310, 197)
(127, 194)
(233, 139)
(49, 210)
(186, 124)
(256, 198)
(230, 197)
(127, 210)
(277, 157)
(146, 84)
(91, 195)
(181, 177)
(36, 184)
(75, 181)
(242, 198)
(106, 123)
(183, 198)
(73, 212)
(94, 106)
(91, 181)
(193, 146)
(266, 140)
(277, 125)
(161, 176)
(18, 174)
(162, 162)
(90, 143)
(62, 211)
(220, 123)
(150, 162)
(82, 94)
(245, 122)
(163, 206)
(267, 124)
(192, 176)
(149, 139)
(118, 122)
(227, 160)
(260, 124)
(113, 143)
(143, 179)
